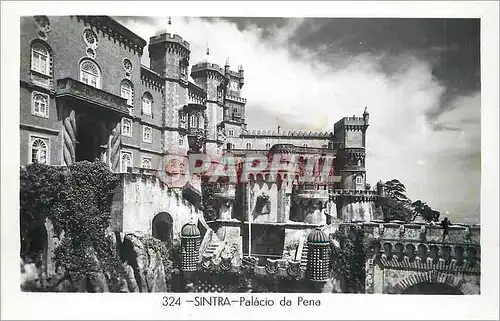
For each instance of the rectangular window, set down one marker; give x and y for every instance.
(193, 121)
(230, 133)
(40, 104)
(183, 117)
(127, 127)
(89, 79)
(126, 160)
(147, 134)
(40, 62)
(181, 141)
(127, 94)
(146, 106)
(146, 162)
(359, 180)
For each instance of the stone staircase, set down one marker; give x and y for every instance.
(212, 247)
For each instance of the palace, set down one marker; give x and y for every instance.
(84, 95)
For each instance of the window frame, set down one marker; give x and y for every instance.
(48, 70)
(143, 158)
(45, 140)
(181, 141)
(359, 180)
(268, 146)
(130, 99)
(46, 97)
(131, 126)
(147, 96)
(144, 140)
(98, 77)
(230, 132)
(122, 153)
(248, 146)
(193, 121)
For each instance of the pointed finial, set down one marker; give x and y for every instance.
(366, 110)
(227, 61)
(208, 50)
(241, 67)
(169, 20)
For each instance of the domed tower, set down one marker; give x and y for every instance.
(190, 247)
(318, 256)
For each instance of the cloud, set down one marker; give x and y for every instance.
(287, 85)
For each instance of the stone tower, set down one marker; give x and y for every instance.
(354, 202)
(350, 137)
(210, 77)
(169, 55)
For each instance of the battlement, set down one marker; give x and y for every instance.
(167, 37)
(458, 234)
(199, 67)
(287, 134)
(350, 121)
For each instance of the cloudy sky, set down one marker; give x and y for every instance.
(419, 78)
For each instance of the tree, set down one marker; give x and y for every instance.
(425, 211)
(397, 191)
(396, 204)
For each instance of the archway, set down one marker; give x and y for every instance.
(90, 138)
(432, 288)
(163, 227)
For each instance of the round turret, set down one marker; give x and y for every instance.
(318, 256)
(190, 230)
(317, 237)
(190, 247)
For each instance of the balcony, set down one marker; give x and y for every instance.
(236, 98)
(69, 87)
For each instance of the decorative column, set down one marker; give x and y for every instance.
(69, 138)
(190, 247)
(318, 256)
(114, 148)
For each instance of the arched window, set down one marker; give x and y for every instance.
(127, 92)
(39, 151)
(40, 105)
(147, 103)
(40, 59)
(126, 160)
(90, 73)
(249, 146)
(268, 145)
(304, 145)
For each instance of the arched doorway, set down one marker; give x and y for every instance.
(163, 227)
(432, 288)
(90, 138)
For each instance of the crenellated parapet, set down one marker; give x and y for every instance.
(286, 134)
(353, 195)
(425, 247)
(172, 44)
(209, 70)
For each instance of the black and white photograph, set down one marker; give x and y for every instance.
(240, 160)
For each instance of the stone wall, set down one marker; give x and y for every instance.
(140, 197)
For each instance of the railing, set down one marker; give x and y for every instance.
(74, 88)
(236, 98)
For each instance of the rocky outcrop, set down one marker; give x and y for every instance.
(147, 261)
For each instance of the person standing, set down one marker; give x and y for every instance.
(445, 224)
